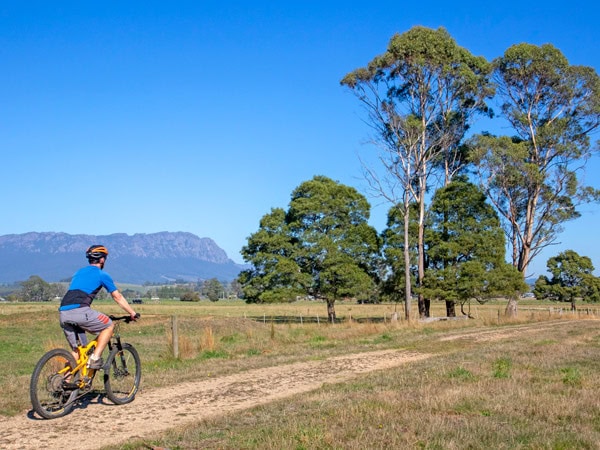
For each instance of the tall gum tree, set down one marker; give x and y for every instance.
(420, 97)
(532, 178)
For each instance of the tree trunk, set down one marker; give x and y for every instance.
(424, 306)
(331, 311)
(524, 258)
(407, 284)
(450, 308)
(515, 247)
(528, 233)
(511, 307)
(423, 310)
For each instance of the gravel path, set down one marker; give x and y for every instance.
(157, 410)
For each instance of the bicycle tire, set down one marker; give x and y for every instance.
(49, 397)
(122, 374)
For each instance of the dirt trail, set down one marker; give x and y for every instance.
(158, 410)
(502, 333)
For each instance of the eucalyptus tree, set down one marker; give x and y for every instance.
(532, 178)
(466, 249)
(420, 97)
(322, 246)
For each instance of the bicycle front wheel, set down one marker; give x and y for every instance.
(122, 374)
(53, 388)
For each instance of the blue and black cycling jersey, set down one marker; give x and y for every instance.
(85, 285)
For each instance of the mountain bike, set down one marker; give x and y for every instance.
(58, 379)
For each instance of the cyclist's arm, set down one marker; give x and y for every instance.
(122, 302)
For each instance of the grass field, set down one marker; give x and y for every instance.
(533, 392)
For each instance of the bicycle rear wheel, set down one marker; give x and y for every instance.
(122, 374)
(51, 395)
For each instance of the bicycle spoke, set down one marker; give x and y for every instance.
(49, 389)
(123, 375)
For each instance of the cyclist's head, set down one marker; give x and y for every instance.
(95, 253)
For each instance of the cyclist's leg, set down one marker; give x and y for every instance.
(103, 338)
(96, 323)
(73, 332)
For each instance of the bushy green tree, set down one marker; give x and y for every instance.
(572, 278)
(465, 249)
(35, 289)
(322, 246)
(275, 275)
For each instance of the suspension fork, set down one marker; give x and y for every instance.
(116, 343)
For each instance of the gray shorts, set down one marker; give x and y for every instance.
(75, 322)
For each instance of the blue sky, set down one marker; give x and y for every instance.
(140, 117)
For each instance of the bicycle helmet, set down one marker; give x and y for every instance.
(95, 252)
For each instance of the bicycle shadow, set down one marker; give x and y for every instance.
(89, 398)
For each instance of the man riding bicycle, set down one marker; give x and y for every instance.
(75, 309)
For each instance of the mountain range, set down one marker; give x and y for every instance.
(135, 259)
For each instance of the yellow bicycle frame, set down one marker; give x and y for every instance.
(81, 366)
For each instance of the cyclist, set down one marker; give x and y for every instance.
(75, 308)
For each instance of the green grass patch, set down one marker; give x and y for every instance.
(501, 368)
(462, 374)
(385, 337)
(571, 376)
(212, 354)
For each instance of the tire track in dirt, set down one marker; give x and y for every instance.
(498, 334)
(96, 425)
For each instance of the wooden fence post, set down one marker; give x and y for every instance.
(175, 334)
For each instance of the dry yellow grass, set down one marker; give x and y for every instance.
(207, 340)
(504, 387)
(453, 401)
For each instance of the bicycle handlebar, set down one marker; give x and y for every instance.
(127, 319)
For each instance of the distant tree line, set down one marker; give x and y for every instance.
(211, 289)
(35, 289)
